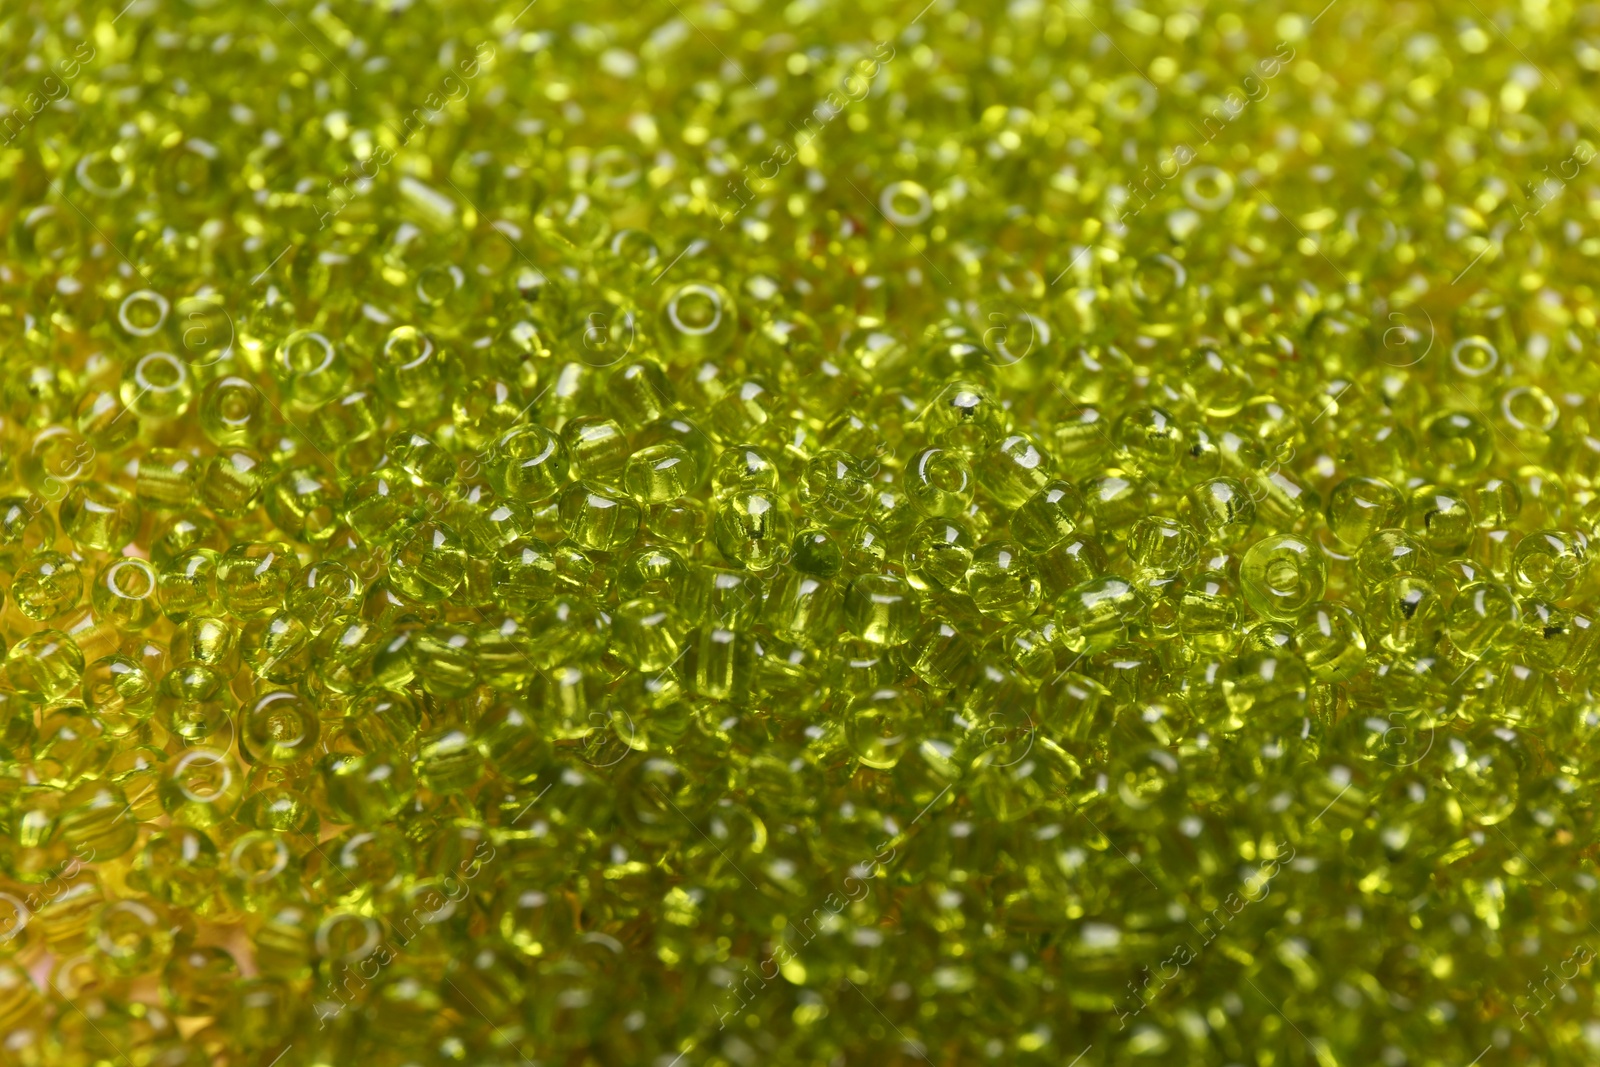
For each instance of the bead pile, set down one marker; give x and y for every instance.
(735, 533)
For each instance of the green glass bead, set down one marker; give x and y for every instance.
(365, 789)
(100, 516)
(1095, 615)
(882, 609)
(231, 412)
(191, 703)
(187, 584)
(1359, 507)
(1330, 639)
(597, 448)
(201, 787)
(280, 728)
(277, 648)
(1002, 582)
(529, 463)
(304, 503)
(253, 577)
(1223, 509)
(448, 760)
(47, 586)
(1048, 517)
(157, 386)
(125, 593)
(751, 528)
(881, 726)
(1282, 576)
(45, 665)
(119, 687)
(310, 369)
(167, 479)
(939, 482)
(598, 518)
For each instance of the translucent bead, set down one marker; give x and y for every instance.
(597, 448)
(659, 473)
(1210, 611)
(188, 584)
(1483, 616)
(1282, 576)
(939, 554)
(939, 482)
(231, 482)
(166, 478)
(429, 562)
(1389, 552)
(1405, 614)
(816, 552)
(1330, 640)
(1442, 518)
(133, 938)
(119, 687)
(100, 516)
(529, 463)
(1014, 470)
(157, 386)
(751, 528)
(882, 725)
(277, 648)
(366, 789)
(698, 319)
(124, 593)
(1002, 582)
(964, 416)
(881, 609)
(231, 412)
(197, 979)
(191, 702)
(1150, 442)
(1048, 517)
(833, 488)
(598, 518)
(47, 586)
(310, 368)
(413, 372)
(1160, 548)
(201, 787)
(253, 577)
(45, 665)
(1551, 564)
(1359, 507)
(1458, 446)
(746, 467)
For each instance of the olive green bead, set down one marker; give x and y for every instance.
(187, 584)
(751, 528)
(882, 609)
(126, 593)
(45, 665)
(47, 586)
(1048, 517)
(529, 463)
(201, 787)
(253, 577)
(100, 516)
(1282, 576)
(232, 412)
(1330, 639)
(310, 368)
(279, 728)
(599, 518)
(167, 478)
